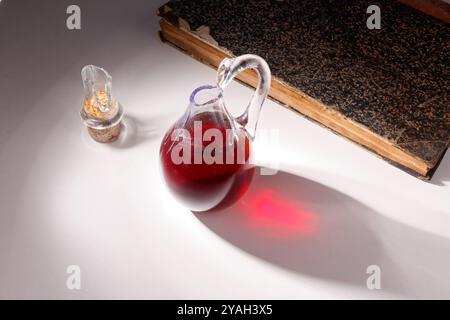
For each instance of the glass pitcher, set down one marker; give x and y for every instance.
(206, 155)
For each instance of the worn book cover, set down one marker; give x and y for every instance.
(386, 89)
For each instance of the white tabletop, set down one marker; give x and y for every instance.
(334, 208)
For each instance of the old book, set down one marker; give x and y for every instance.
(386, 89)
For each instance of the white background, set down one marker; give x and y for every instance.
(66, 200)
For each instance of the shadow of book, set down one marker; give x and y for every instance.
(442, 174)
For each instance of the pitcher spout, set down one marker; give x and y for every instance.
(205, 95)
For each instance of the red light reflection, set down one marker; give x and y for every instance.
(278, 216)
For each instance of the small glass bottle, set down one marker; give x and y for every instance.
(101, 112)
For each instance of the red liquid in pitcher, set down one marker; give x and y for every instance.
(205, 185)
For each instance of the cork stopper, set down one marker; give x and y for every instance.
(107, 135)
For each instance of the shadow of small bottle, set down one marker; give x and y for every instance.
(134, 132)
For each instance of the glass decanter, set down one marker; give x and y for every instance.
(206, 155)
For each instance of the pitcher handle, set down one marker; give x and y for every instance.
(229, 68)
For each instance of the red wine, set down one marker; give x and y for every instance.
(197, 182)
